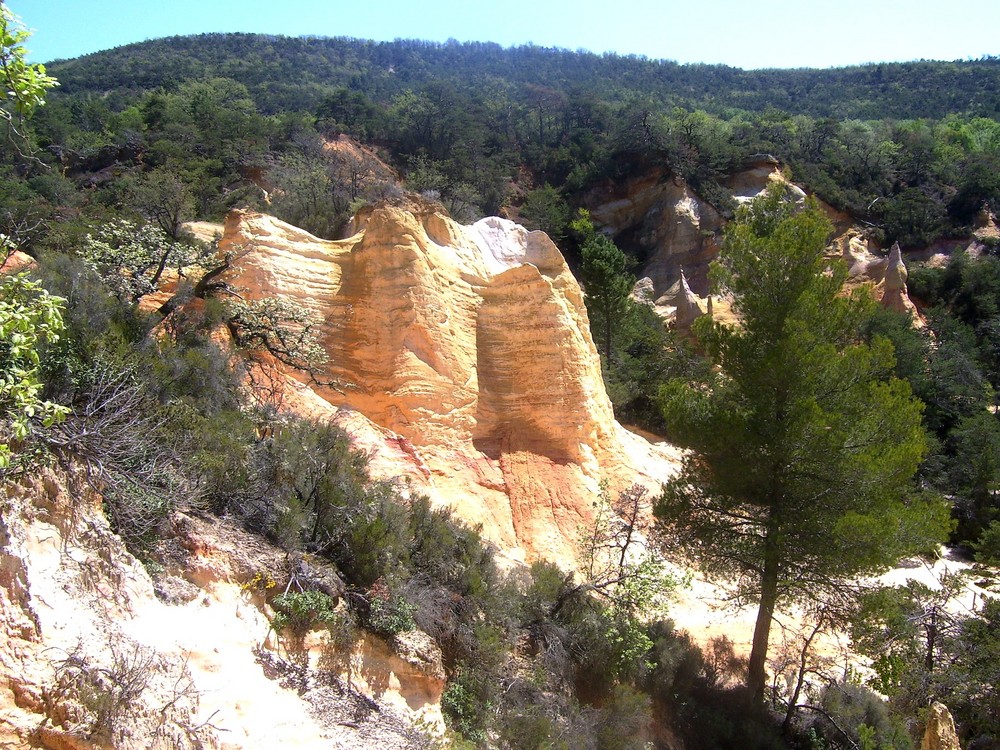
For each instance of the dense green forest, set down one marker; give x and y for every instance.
(96, 185)
(910, 148)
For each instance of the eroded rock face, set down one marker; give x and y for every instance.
(661, 216)
(465, 351)
(80, 618)
(667, 220)
(66, 585)
(686, 307)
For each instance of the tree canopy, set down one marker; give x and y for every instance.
(29, 315)
(803, 444)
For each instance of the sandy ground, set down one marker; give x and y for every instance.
(217, 635)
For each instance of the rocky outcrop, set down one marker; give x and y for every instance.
(94, 654)
(662, 218)
(665, 220)
(757, 174)
(15, 261)
(659, 217)
(73, 676)
(894, 294)
(465, 351)
(939, 733)
(681, 305)
(885, 276)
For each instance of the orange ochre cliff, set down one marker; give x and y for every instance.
(461, 358)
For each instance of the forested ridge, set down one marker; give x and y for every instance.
(97, 185)
(284, 72)
(910, 148)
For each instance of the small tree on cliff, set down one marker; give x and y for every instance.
(803, 445)
(606, 278)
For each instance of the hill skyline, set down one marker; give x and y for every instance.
(772, 34)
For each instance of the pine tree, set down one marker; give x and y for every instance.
(803, 445)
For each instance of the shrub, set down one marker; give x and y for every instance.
(388, 613)
(29, 317)
(109, 694)
(464, 711)
(988, 547)
(860, 714)
(299, 612)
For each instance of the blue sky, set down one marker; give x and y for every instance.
(746, 34)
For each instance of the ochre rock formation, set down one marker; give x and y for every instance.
(659, 216)
(16, 261)
(666, 220)
(464, 351)
(940, 733)
(75, 603)
(894, 294)
(884, 276)
(682, 305)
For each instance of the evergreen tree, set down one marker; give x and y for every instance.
(803, 443)
(606, 278)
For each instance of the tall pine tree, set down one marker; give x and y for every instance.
(803, 445)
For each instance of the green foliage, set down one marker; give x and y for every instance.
(131, 259)
(971, 682)
(988, 547)
(924, 649)
(863, 716)
(802, 436)
(309, 195)
(544, 208)
(187, 127)
(388, 613)
(706, 711)
(464, 711)
(607, 282)
(449, 553)
(25, 85)
(298, 612)
(280, 327)
(974, 473)
(912, 218)
(161, 196)
(645, 356)
(903, 630)
(29, 318)
(958, 385)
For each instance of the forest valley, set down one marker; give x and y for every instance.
(828, 436)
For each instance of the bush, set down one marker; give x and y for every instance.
(387, 613)
(297, 613)
(646, 355)
(464, 711)
(988, 547)
(109, 694)
(863, 716)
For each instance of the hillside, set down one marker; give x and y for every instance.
(284, 73)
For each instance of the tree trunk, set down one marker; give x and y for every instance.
(762, 630)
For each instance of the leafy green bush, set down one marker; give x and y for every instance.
(464, 711)
(29, 318)
(863, 716)
(298, 612)
(988, 547)
(388, 613)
